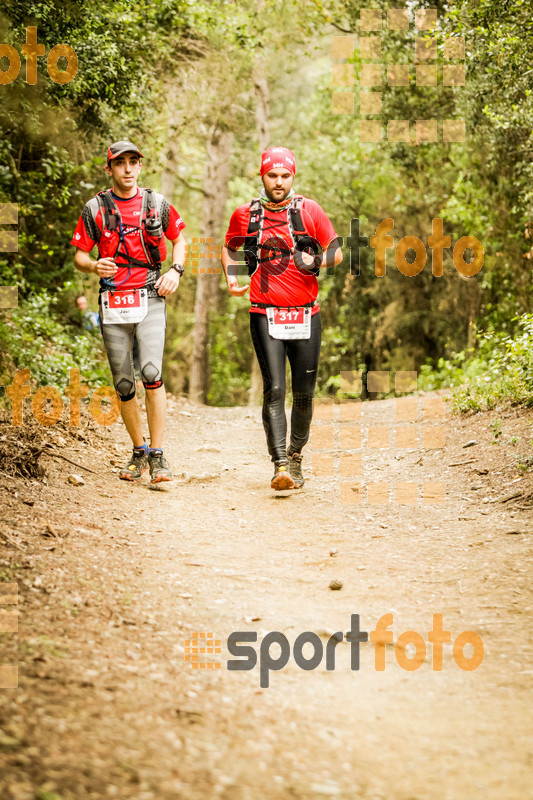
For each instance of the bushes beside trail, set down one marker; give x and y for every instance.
(500, 370)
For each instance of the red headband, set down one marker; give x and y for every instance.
(276, 157)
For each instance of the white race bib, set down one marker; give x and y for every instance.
(289, 323)
(124, 307)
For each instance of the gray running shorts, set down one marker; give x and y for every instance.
(150, 335)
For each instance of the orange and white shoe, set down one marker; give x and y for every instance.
(282, 478)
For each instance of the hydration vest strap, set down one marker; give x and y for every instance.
(295, 211)
(135, 262)
(253, 234)
(110, 212)
(112, 222)
(150, 205)
(150, 211)
(302, 240)
(256, 216)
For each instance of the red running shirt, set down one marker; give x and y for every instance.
(87, 234)
(278, 282)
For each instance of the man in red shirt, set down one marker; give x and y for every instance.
(286, 238)
(129, 226)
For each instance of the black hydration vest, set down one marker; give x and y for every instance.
(151, 228)
(301, 240)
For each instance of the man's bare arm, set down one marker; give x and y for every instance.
(103, 267)
(233, 284)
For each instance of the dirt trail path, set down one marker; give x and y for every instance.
(107, 706)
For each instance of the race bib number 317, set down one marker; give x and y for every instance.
(289, 323)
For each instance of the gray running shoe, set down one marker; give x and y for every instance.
(159, 469)
(295, 468)
(282, 479)
(133, 471)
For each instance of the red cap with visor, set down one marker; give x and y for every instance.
(119, 148)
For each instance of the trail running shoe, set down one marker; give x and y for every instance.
(159, 469)
(295, 468)
(282, 479)
(133, 471)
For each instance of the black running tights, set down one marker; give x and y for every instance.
(303, 359)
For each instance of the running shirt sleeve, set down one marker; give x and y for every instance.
(324, 230)
(87, 232)
(238, 226)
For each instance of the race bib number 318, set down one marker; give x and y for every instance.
(124, 307)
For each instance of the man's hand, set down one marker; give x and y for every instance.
(167, 283)
(306, 261)
(234, 288)
(105, 267)
(229, 264)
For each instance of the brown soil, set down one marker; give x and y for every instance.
(113, 579)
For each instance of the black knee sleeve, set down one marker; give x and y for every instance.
(127, 397)
(154, 385)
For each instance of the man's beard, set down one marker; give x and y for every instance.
(276, 198)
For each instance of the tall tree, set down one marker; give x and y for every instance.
(262, 126)
(217, 174)
(168, 176)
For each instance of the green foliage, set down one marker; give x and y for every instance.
(44, 794)
(230, 356)
(53, 138)
(156, 71)
(38, 336)
(500, 371)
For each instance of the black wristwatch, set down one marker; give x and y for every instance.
(179, 268)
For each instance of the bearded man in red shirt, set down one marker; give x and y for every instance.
(129, 225)
(287, 239)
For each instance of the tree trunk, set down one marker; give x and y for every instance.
(217, 175)
(263, 139)
(473, 309)
(261, 104)
(168, 177)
